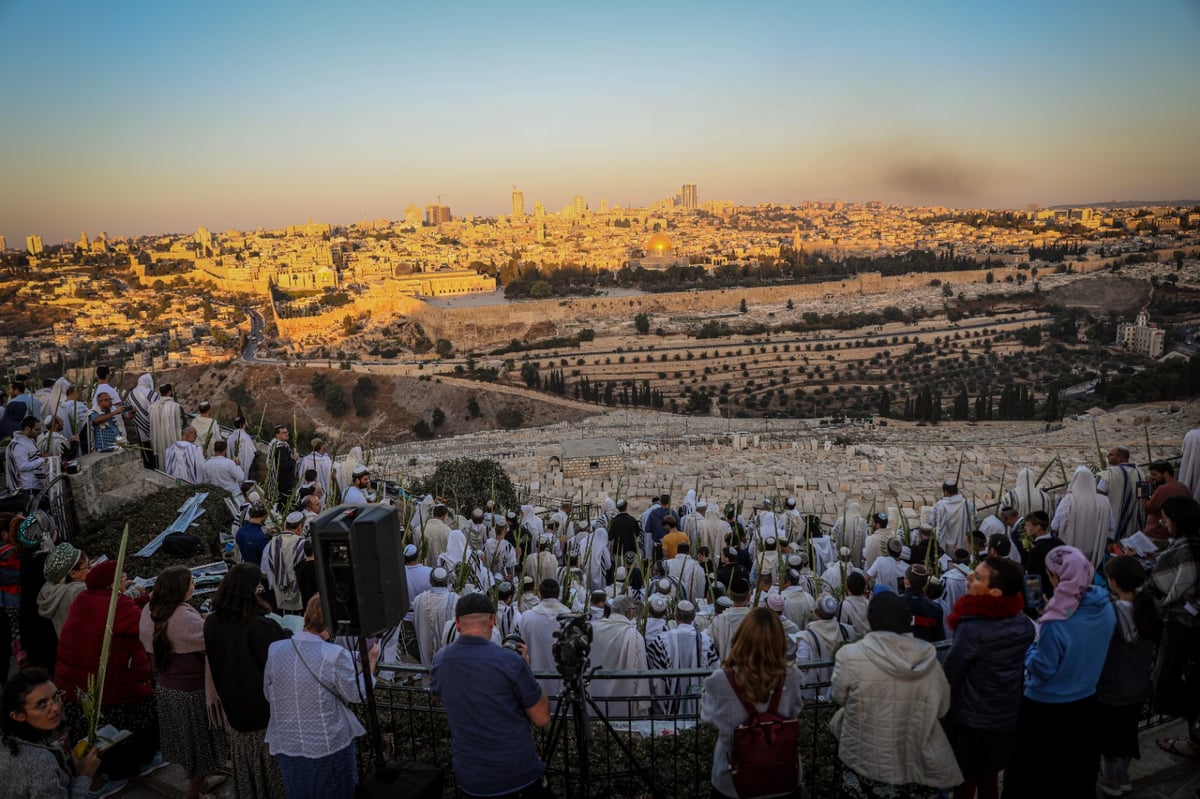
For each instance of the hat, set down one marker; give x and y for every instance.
(622, 504)
(827, 606)
(795, 561)
(739, 585)
(46, 422)
(477, 515)
(410, 551)
(730, 552)
(663, 586)
(257, 511)
(504, 587)
(925, 529)
(685, 606)
(621, 574)
(701, 503)
(791, 502)
(894, 547)
(775, 602)
(511, 516)
(882, 518)
(905, 553)
(630, 556)
(769, 541)
(527, 582)
(473, 603)
(438, 576)
(658, 604)
(294, 518)
(60, 562)
(598, 595)
(844, 553)
(724, 602)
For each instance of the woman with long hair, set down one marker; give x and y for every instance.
(237, 635)
(172, 631)
(755, 672)
(1175, 580)
(33, 761)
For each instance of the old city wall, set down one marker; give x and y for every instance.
(492, 325)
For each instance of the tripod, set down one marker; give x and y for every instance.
(571, 702)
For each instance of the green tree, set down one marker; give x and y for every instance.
(529, 373)
(641, 323)
(444, 348)
(742, 306)
(473, 407)
(439, 417)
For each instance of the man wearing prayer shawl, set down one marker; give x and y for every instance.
(431, 610)
(537, 626)
(617, 646)
(952, 518)
(1119, 481)
(821, 640)
(142, 398)
(184, 460)
(850, 531)
(166, 424)
(436, 532)
(725, 625)
(695, 524)
(682, 648)
(281, 466)
(1083, 518)
(318, 461)
(1025, 496)
(598, 558)
(207, 430)
(687, 573)
(280, 558)
(240, 448)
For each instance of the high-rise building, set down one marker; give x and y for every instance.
(539, 209)
(603, 206)
(412, 216)
(3, 244)
(34, 244)
(437, 214)
(518, 203)
(83, 241)
(688, 193)
(578, 205)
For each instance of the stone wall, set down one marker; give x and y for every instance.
(107, 481)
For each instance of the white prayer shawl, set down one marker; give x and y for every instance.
(679, 649)
(765, 563)
(1025, 497)
(820, 641)
(833, 579)
(166, 427)
(323, 466)
(854, 613)
(142, 397)
(530, 520)
(477, 575)
(185, 461)
(437, 534)
(617, 646)
(343, 475)
(208, 433)
(221, 471)
(689, 575)
(456, 545)
(501, 556)
(53, 444)
(560, 516)
(724, 626)
(280, 559)
(538, 626)
(527, 601)
(656, 627)
(241, 450)
(798, 605)
(692, 525)
(540, 566)
(74, 417)
(507, 619)
(577, 597)
(850, 531)
(954, 583)
(712, 535)
(951, 521)
(824, 553)
(1120, 483)
(1084, 518)
(769, 526)
(689, 502)
(1189, 464)
(450, 634)
(793, 525)
(55, 404)
(595, 548)
(431, 610)
(416, 579)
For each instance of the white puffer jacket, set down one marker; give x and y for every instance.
(893, 692)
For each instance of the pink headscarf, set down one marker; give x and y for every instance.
(1075, 574)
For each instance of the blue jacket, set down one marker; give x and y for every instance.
(1064, 664)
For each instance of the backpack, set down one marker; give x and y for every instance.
(763, 759)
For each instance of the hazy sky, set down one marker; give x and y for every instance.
(144, 117)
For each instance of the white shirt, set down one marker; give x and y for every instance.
(220, 471)
(354, 496)
(888, 571)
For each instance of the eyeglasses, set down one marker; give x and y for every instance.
(43, 704)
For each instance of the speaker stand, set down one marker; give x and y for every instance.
(364, 657)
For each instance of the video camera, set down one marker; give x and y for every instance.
(573, 644)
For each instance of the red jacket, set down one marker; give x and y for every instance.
(128, 676)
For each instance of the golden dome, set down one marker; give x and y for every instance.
(659, 244)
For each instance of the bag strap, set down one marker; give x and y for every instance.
(772, 707)
(308, 668)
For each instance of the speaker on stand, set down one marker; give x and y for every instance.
(359, 552)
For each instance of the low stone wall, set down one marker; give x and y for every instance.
(108, 481)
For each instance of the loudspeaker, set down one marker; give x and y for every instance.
(359, 551)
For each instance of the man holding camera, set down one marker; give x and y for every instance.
(490, 695)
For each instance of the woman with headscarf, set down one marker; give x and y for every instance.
(1084, 518)
(1062, 670)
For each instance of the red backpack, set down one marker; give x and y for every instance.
(763, 759)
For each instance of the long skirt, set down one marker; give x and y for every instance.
(856, 786)
(1066, 764)
(1177, 670)
(330, 777)
(255, 773)
(184, 733)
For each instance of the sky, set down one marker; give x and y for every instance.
(155, 117)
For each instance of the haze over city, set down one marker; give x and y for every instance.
(149, 118)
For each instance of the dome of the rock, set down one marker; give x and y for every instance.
(659, 244)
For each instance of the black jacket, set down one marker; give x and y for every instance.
(927, 617)
(986, 670)
(237, 656)
(623, 534)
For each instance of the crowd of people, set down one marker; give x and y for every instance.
(945, 645)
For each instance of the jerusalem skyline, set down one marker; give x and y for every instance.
(157, 120)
